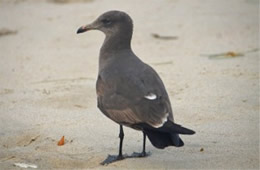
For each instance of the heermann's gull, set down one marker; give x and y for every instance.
(129, 91)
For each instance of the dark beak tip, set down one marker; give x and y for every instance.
(81, 30)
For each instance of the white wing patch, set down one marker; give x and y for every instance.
(151, 96)
(164, 119)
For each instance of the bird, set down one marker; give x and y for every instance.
(129, 91)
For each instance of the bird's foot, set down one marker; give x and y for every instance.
(140, 155)
(113, 158)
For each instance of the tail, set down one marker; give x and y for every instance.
(161, 140)
(167, 135)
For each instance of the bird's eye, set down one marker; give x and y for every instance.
(106, 21)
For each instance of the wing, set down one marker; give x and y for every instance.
(133, 96)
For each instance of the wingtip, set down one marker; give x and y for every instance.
(186, 131)
(192, 132)
(179, 129)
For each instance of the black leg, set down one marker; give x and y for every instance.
(120, 156)
(121, 136)
(144, 141)
(143, 153)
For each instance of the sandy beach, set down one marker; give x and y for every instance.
(206, 52)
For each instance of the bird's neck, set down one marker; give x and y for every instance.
(116, 42)
(113, 46)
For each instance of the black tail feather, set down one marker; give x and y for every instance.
(176, 140)
(161, 140)
(168, 127)
(167, 135)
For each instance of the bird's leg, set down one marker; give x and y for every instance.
(121, 136)
(144, 142)
(120, 156)
(143, 153)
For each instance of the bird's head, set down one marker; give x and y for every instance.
(110, 23)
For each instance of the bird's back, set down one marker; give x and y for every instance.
(122, 86)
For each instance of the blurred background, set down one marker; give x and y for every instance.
(206, 52)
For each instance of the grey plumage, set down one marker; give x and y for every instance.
(129, 91)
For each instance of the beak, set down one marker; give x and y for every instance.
(86, 28)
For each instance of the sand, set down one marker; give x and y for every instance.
(48, 73)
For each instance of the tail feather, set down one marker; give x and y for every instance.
(168, 127)
(167, 135)
(161, 140)
(176, 140)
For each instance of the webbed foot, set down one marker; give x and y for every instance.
(113, 158)
(140, 155)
